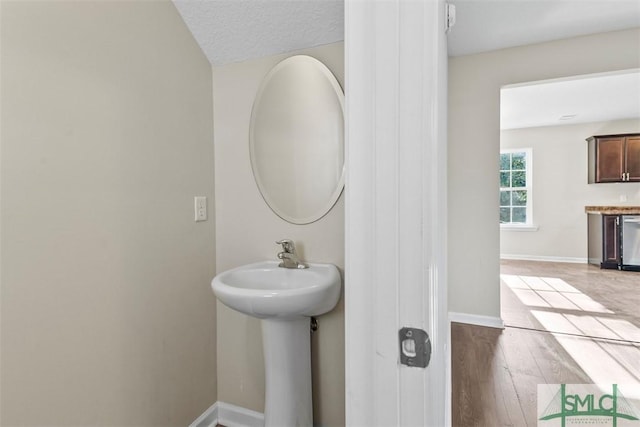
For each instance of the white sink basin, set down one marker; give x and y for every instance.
(264, 290)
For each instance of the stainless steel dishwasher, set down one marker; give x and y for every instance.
(631, 242)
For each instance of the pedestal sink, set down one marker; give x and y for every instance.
(284, 299)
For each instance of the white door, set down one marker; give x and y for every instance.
(396, 89)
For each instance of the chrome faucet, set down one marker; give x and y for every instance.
(288, 255)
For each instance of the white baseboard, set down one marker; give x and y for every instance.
(573, 260)
(229, 416)
(476, 319)
(209, 418)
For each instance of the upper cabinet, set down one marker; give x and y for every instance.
(614, 158)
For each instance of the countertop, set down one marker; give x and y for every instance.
(613, 210)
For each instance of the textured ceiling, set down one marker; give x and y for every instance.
(237, 30)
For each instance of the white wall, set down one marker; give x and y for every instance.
(246, 232)
(474, 139)
(560, 189)
(107, 313)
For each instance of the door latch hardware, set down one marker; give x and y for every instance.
(415, 347)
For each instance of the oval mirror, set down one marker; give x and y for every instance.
(296, 139)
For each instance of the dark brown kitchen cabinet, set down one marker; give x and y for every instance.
(614, 158)
(604, 240)
(633, 158)
(610, 241)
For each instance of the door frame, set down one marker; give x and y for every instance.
(396, 210)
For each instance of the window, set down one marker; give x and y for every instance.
(515, 187)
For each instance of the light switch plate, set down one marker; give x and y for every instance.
(200, 206)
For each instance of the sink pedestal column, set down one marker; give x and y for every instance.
(287, 362)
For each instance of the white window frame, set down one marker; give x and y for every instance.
(529, 225)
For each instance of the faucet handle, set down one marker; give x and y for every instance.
(287, 245)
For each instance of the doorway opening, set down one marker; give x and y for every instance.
(589, 316)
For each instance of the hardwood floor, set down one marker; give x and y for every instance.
(565, 324)
(568, 288)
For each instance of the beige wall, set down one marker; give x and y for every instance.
(474, 138)
(107, 313)
(246, 232)
(560, 189)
